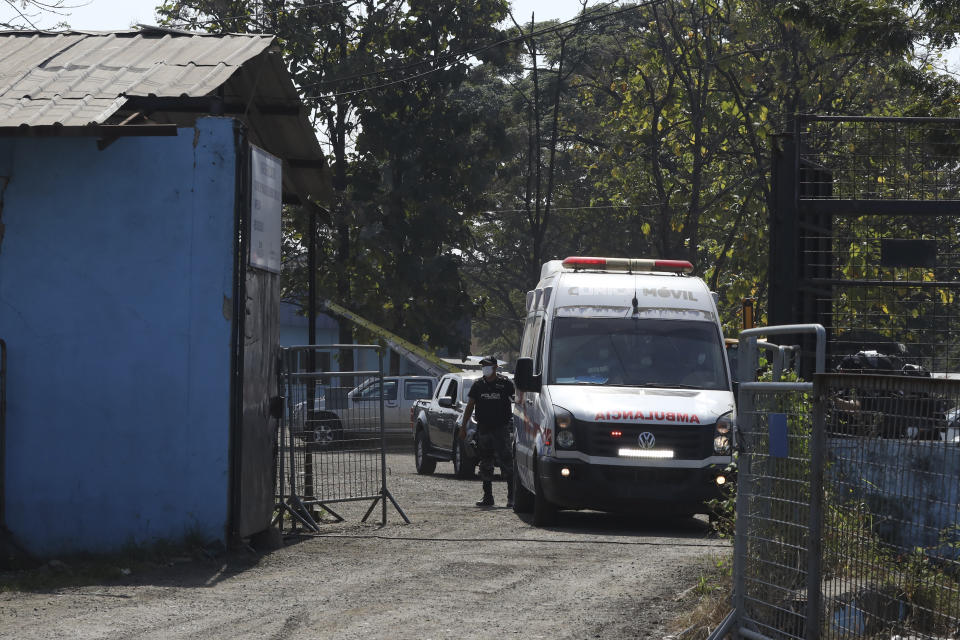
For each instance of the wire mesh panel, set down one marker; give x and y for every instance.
(773, 512)
(332, 443)
(891, 551)
(890, 284)
(867, 238)
(869, 158)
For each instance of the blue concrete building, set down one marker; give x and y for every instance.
(139, 283)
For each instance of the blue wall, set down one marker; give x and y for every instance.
(115, 283)
(914, 483)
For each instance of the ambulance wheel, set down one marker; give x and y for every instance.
(522, 499)
(544, 511)
(425, 464)
(462, 466)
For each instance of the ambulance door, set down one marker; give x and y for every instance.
(538, 413)
(529, 401)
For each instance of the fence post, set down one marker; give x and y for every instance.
(745, 419)
(818, 444)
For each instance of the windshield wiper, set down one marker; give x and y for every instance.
(660, 385)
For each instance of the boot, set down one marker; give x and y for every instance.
(487, 500)
(509, 492)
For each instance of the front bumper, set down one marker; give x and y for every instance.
(663, 490)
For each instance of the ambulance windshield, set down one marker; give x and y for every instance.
(637, 352)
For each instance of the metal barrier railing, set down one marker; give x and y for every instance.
(331, 443)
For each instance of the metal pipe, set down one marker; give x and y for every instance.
(752, 635)
(383, 449)
(821, 333)
(818, 443)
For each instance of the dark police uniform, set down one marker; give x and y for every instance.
(494, 414)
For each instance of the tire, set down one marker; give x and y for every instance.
(327, 432)
(522, 499)
(425, 464)
(462, 467)
(544, 511)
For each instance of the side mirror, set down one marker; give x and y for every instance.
(445, 401)
(523, 376)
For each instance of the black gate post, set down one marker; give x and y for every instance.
(783, 257)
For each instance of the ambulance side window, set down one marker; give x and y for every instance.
(538, 362)
(526, 346)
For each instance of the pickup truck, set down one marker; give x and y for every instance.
(434, 423)
(357, 413)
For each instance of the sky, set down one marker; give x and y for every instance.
(107, 15)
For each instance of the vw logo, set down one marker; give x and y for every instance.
(646, 440)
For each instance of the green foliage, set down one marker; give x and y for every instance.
(639, 130)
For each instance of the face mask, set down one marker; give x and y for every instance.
(488, 371)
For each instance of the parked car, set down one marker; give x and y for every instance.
(357, 413)
(435, 421)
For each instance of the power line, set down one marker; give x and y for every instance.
(606, 206)
(593, 16)
(562, 25)
(572, 22)
(293, 9)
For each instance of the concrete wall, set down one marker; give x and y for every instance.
(116, 278)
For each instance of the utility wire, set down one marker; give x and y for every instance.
(469, 52)
(608, 206)
(292, 9)
(591, 14)
(459, 54)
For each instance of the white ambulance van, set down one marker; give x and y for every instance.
(624, 398)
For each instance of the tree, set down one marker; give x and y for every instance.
(384, 78)
(25, 13)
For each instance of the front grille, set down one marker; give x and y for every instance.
(686, 442)
(649, 476)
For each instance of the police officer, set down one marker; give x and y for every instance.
(491, 396)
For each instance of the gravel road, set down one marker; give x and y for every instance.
(455, 572)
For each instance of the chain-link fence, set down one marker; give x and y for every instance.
(847, 509)
(332, 446)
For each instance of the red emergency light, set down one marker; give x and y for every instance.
(627, 264)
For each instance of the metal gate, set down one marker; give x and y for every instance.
(847, 505)
(332, 446)
(864, 236)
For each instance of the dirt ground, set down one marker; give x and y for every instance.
(455, 572)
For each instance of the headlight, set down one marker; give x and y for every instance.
(723, 435)
(563, 420)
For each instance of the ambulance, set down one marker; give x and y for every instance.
(624, 398)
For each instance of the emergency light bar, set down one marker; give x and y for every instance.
(628, 264)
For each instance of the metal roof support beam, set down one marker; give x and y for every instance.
(104, 131)
(205, 104)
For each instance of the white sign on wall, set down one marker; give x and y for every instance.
(265, 203)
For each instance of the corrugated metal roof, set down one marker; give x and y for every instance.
(75, 78)
(78, 78)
